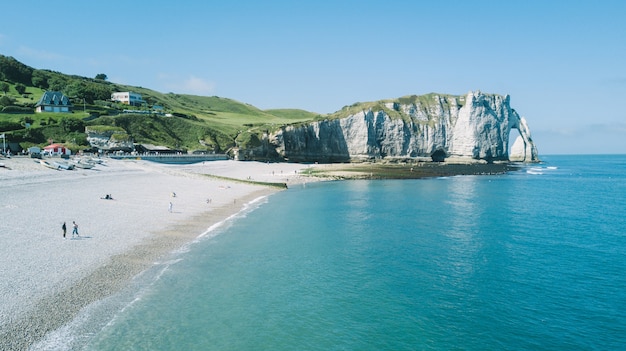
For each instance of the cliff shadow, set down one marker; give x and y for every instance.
(324, 144)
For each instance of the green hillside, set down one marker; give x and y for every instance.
(178, 121)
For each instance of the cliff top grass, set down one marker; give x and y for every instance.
(425, 103)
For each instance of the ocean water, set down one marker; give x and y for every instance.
(531, 260)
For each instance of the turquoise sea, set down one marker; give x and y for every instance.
(531, 260)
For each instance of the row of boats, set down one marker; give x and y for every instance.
(84, 163)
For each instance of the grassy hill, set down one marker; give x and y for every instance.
(185, 122)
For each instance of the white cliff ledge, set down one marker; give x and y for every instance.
(475, 127)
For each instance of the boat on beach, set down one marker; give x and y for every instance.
(84, 164)
(58, 165)
(48, 164)
(64, 165)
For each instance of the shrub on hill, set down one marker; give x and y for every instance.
(7, 126)
(17, 109)
(6, 101)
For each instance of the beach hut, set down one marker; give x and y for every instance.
(56, 149)
(34, 152)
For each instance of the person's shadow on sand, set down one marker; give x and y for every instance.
(81, 237)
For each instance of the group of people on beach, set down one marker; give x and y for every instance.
(74, 230)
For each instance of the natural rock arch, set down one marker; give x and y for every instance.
(523, 148)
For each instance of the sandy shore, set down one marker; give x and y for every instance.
(47, 279)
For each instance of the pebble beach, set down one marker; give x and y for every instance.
(46, 279)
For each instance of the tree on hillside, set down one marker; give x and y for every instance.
(20, 88)
(88, 90)
(15, 71)
(4, 87)
(40, 79)
(6, 101)
(56, 84)
(72, 125)
(101, 76)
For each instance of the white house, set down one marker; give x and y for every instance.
(53, 101)
(56, 149)
(128, 98)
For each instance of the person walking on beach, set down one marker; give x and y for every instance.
(64, 227)
(75, 230)
(170, 207)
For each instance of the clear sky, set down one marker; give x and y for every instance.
(562, 62)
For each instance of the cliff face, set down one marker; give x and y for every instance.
(437, 127)
(109, 140)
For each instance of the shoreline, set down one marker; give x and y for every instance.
(104, 263)
(63, 306)
(48, 280)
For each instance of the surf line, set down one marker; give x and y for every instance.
(247, 207)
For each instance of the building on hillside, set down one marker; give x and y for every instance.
(53, 101)
(56, 149)
(34, 150)
(128, 98)
(155, 149)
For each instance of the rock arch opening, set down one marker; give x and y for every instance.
(517, 146)
(513, 135)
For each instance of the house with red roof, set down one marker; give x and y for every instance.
(56, 149)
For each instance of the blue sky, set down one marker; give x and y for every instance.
(562, 62)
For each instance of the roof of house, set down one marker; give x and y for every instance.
(154, 147)
(54, 146)
(53, 98)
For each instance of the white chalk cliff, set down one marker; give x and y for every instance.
(435, 126)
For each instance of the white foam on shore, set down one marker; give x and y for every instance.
(100, 314)
(96, 317)
(247, 207)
